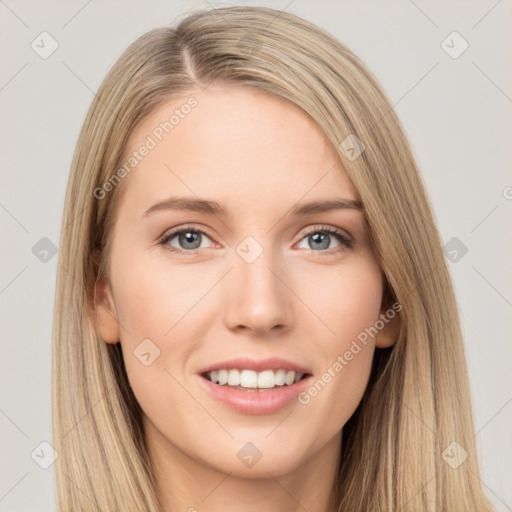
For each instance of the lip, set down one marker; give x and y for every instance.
(258, 365)
(255, 402)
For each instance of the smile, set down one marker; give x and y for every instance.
(252, 380)
(255, 400)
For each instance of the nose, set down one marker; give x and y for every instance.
(259, 302)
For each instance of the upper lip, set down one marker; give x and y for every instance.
(258, 365)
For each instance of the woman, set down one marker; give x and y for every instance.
(253, 309)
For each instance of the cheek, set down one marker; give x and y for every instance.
(153, 296)
(345, 300)
(154, 305)
(349, 305)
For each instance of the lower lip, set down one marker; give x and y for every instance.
(255, 402)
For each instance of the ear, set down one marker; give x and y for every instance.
(104, 313)
(390, 316)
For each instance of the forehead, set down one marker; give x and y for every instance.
(233, 143)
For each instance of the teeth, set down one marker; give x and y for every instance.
(250, 379)
(265, 379)
(223, 377)
(280, 376)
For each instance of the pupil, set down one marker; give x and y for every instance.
(322, 238)
(190, 238)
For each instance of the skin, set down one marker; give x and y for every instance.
(258, 156)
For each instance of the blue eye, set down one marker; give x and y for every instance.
(318, 238)
(321, 238)
(189, 239)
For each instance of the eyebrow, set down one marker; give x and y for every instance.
(215, 208)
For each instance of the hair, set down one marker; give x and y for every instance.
(417, 401)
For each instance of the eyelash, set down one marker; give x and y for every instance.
(338, 234)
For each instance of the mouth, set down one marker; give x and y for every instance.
(255, 387)
(247, 380)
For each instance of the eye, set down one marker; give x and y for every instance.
(188, 240)
(319, 240)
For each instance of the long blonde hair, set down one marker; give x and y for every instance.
(417, 402)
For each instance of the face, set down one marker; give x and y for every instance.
(258, 286)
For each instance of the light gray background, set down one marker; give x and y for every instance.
(455, 111)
